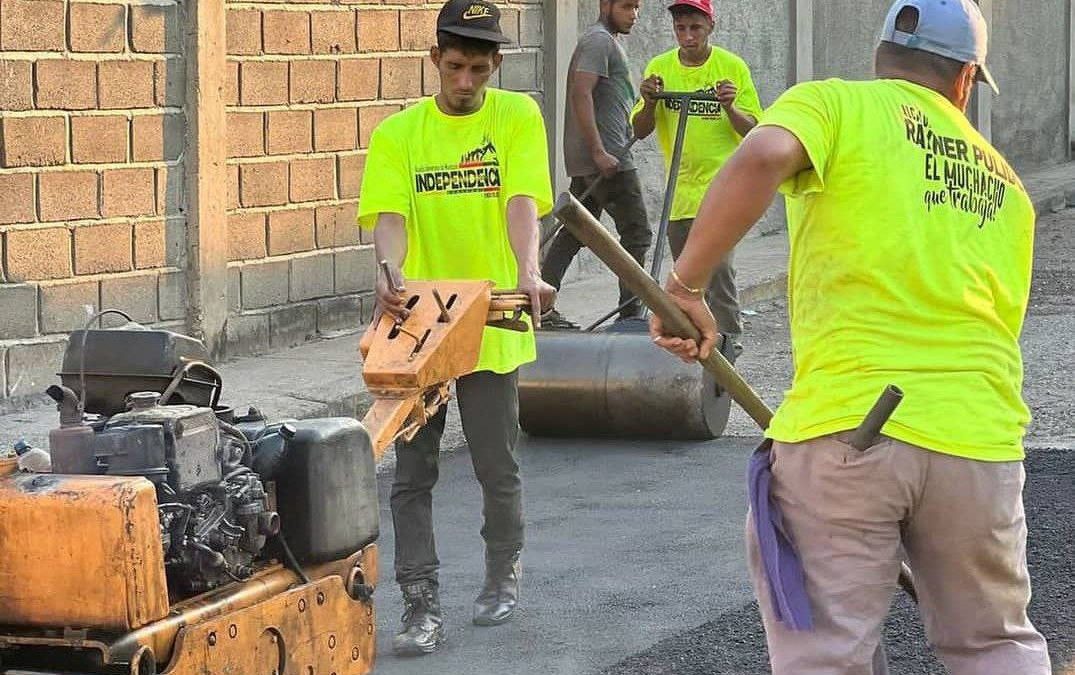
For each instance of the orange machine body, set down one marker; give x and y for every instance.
(100, 536)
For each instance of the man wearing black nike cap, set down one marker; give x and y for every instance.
(453, 189)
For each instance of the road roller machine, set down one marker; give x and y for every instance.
(175, 535)
(612, 382)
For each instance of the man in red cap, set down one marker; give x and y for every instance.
(714, 131)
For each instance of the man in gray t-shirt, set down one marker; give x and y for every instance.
(597, 130)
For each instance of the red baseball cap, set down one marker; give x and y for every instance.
(703, 6)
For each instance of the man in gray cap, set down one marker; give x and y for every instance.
(911, 250)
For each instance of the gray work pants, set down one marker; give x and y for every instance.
(722, 295)
(621, 196)
(489, 408)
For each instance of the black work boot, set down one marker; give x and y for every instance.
(500, 594)
(423, 626)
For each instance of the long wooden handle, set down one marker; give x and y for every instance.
(589, 231)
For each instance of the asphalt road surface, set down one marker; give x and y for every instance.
(634, 562)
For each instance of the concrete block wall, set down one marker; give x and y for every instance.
(91, 160)
(103, 144)
(308, 83)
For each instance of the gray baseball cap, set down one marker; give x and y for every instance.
(951, 28)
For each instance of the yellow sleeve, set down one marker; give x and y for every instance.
(809, 112)
(526, 164)
(386, 183)
(748, 100)
(641, 102)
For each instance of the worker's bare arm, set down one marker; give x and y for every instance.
(523, 234)
(390, 244)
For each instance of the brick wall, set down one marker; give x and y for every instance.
(93, 122)
(308, 84)
(91, 144)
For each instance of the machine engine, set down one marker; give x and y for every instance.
(214, 510)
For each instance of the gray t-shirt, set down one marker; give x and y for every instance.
(600, 53)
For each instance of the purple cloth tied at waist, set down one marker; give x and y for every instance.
(783, 569)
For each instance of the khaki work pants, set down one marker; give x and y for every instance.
(962, 525)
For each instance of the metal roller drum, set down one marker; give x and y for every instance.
(617, 385)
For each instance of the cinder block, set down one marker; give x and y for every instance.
(235, 294)
(531, 28)
(244, 32)
(16, 86)
(313, 81)
(359, 79)
(172, 290)
(509, 24)
(65, 84)
(265, 284)
(356, 270)
(67, 306)
(349, 173)
(155, 29)
(175, 241)
(342, 313)
(519, 72)
(246, 236)
(333, 32)
(32, 25)
(136, 295)
(17, 198)
(313, 179)
(246, 134)
(263, 184)
(312, 276)
(401, 77)
(67, 195)
(289, 132)
(231, 93)
(129, 192)
(286, 32)
(97, 28)
(291, 231)
(430, 78)
(18, 307)
(335, 129)
(170, 82)
(36, 255)
(336, 225)
(263, 83)
(158, 137)
(292, 326)
(247, 334)
(150, 244)
(378, 30)
(126, 84)
(103, 248)
(32, 368)
(417, 29)
(233, 186)
(32, 141)
(99, 139)
(171, 191)
(369, 118)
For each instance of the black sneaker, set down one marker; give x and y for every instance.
(553, 320)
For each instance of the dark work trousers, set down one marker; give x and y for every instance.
(722, 296)
(621, 197)
(489, 408)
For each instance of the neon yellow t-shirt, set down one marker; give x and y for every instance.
(451, 178)
(710, 137)
(911, 250)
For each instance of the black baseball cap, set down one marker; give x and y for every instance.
(475, 19)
